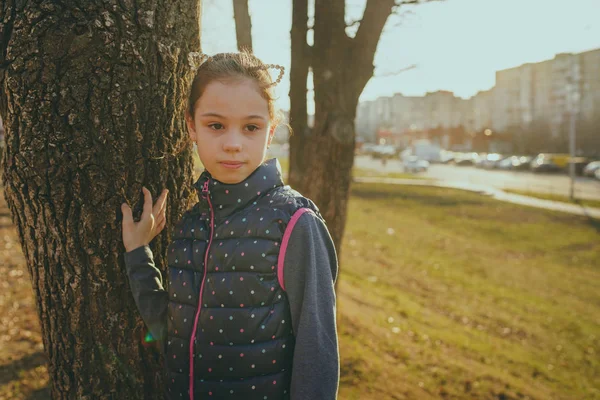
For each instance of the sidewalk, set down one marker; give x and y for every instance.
(492, 192)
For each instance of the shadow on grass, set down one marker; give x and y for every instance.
(5, 219)
(595, 223)
(14, 370)
(420, 195)
(10, 372)
(39, 394)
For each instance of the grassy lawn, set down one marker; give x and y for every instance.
(362, 172)
(555, 197)
(443, 294)
(447, 294)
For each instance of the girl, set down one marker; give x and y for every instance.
(249, 310)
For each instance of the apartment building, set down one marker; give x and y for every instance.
(546, 91)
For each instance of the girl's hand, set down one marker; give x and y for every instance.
(152, 222)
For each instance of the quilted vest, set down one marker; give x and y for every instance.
(229, 326)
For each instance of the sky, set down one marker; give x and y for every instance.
(456, 45)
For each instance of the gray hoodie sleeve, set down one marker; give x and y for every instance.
(310, 271)
(147, 288)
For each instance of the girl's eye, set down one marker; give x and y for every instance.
(252, 128)
(216, 126)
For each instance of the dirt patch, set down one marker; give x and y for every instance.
(23, 370)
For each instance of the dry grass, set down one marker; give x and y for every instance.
(23, 373)
(448, 294)
(443, 294)
(556, 197)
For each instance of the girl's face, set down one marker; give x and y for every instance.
(231, 128)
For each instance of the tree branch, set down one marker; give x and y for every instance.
(413, 2)
(369, 32)
(353, 23)
(402, 16)
(243, 25)
(365, 42)
(399, 4)
(398, 72)
(374, 18)
(308, 53)
(301, 61)
(329, 23)
(8, 14)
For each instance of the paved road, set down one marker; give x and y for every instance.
(585, 188)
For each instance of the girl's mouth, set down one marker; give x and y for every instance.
(231, 164)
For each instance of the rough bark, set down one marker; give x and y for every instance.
(342, 66)
(243, 25)
(93, 95)
(300, 64)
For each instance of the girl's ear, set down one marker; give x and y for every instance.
(271, 134)
(189, 121)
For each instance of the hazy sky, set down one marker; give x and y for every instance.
(457, 45)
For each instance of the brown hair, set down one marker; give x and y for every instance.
(227, 66)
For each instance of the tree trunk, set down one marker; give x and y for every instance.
(298, 92)
(93, 98)
(330, 149)
(342, 66)
(243, 25)
(327, 179)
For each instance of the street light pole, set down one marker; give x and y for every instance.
(573, 98)
(572, 133)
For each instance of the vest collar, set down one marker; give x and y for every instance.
(229, 198)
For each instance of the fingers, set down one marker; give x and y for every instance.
(127, 216)
(160, 212)
(152, 217)
(159, 206)
(147, 203)
(159, 218)
(164, 199)
(161, 225)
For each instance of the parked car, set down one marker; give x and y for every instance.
(507, 163)
(546, 162)
(415, 164)
(367, 149)
(522, 163)
(490, 160)
(591, 169)
(463, 159)
(426, 150)
(597, 174)
(383, 151)
(479, 160)
(447, 156)
(580, 164)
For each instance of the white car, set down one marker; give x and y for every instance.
(415, 164)
(489, 161)
(591, 168)
(597, 174)
(383, 151)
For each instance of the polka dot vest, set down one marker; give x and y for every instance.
(229, 325)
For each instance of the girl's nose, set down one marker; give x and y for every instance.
(233, 142)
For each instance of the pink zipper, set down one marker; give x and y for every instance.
(212, 221)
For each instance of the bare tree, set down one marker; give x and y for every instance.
(243, 25)
(92, 97)
(321, 159)
(298, 117)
